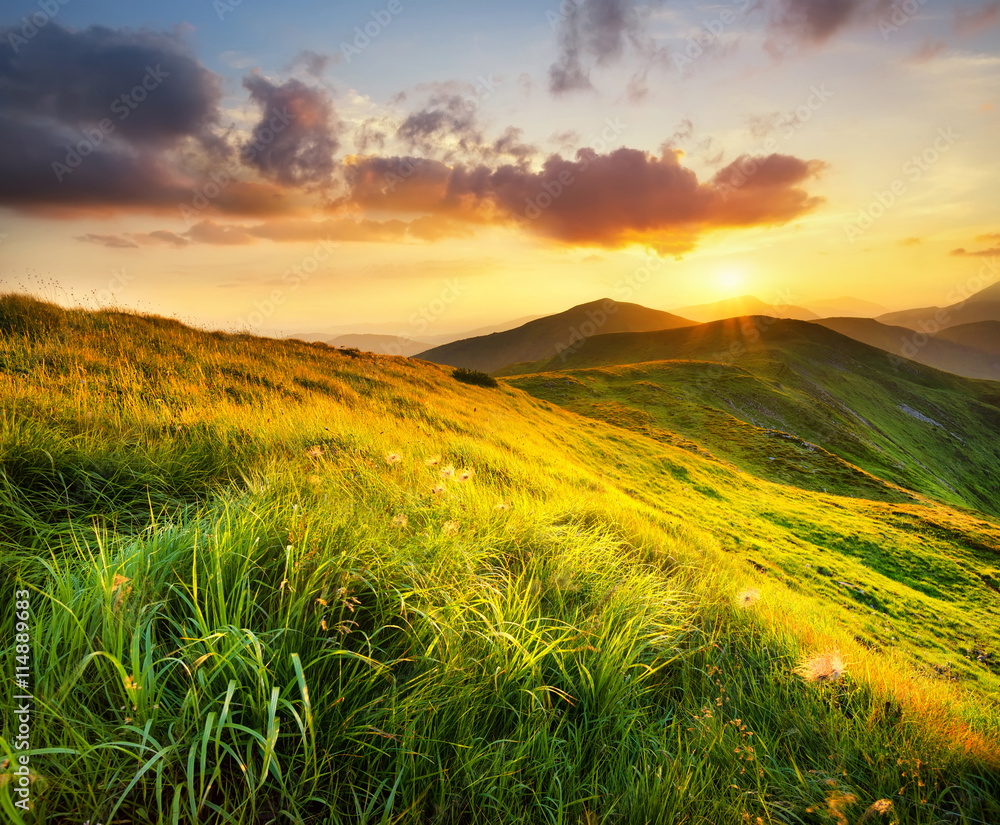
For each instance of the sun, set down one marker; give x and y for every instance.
(730, 279)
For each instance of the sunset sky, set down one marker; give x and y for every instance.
(426, 166)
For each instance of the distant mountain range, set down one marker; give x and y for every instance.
(963, 338)
(553, 335)
(369, 338)
(744, 305)
(846, 306)
(967, 352)
(982, 306)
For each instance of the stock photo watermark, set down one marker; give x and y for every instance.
(22, 701)
(122, 106)
(293, 278)
(32, 23)
(624, 289)
(748, 165)
(218, 180)
(913, 170)
(553, 188)
(422, 319)
(902, 14)
(381, 19)
(927, 328)
(711, 32)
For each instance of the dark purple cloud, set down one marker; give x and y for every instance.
(297, 135)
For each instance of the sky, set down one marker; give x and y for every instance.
(418, 167)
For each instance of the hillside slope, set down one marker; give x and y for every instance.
(551, 335)
(981, 306)
(908, 424)
(965, 352)
(271, 580)
(983, 336)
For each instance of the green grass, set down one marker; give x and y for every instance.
(274, 582)
(764, 380)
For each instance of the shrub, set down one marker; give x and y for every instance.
(481, 379)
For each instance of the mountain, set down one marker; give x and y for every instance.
(744, 305)
(381, 344)
(802, 387)
(374, 338)
(366, 342)
(966, 353)
(552, 335)
(342, 588)
(982, 335)
(447, 338)
(981, 306)
(846, 306)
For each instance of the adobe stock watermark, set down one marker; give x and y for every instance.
(31, 24)
(218, 180)
(20, 725)
(420, 320)
(748, 166)
(380, 20)
(118, 283)
(402, 172)
(753, 328)
(553, 188)
(902, 13)
(927, 328)
(913, 170)
(624, 289)
(122, 106)
(293, 278)
(224, 7)
(709, 33)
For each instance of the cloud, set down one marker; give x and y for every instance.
(911, 241)
(928, 50)
(447, 127)
(598, 33)
(612, 200)
(313, 63)
(972, 22)
(426, 228)
(296, 137)
(98, 121)
(147, 83)
(133, 240)
(112, 241)
(816, 21)
(979, 253)
(89, 118)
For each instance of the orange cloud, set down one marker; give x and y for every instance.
(612, 200)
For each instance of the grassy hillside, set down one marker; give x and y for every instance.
(927, 431)
(554, 335)
(972, 351)
(270, 581)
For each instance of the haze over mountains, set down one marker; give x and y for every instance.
(744, 305)
(373, 338)
(965, 309)
(971, 350)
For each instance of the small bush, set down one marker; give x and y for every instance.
(481, 379)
